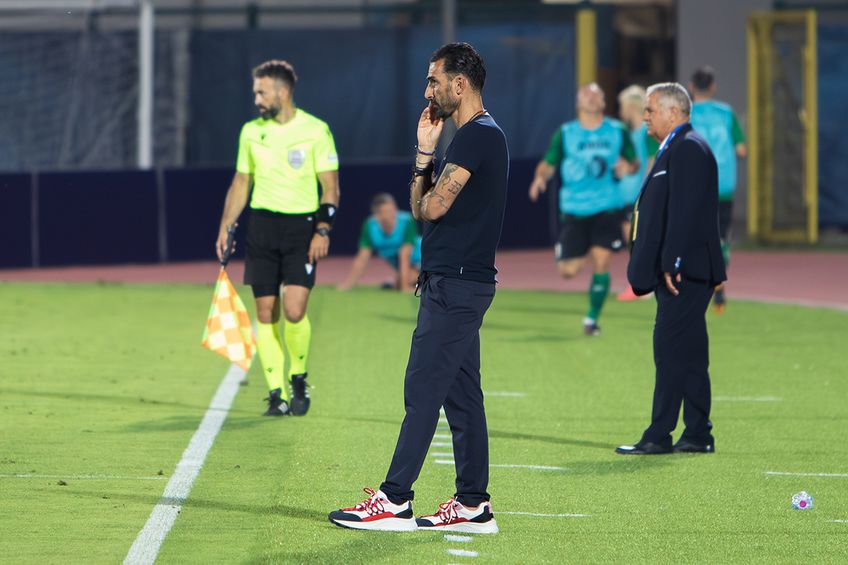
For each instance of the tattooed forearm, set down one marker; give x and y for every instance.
(419, 186)
(437, 202)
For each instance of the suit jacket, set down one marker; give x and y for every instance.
(675, 219)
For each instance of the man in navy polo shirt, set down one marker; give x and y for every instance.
(462, 208)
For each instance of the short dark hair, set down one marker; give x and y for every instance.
(277, 69)
(703, 78)
(380, 199)
(462, 59)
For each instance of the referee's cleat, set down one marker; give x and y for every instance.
(276, 405)
(300, 395)
(719, 300)
(453, 516)
(376, 512)
(591, 327)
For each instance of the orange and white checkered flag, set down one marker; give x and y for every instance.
(228, 331)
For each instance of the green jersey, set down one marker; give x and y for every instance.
(586, 159)
(284, 161)
(718, 124)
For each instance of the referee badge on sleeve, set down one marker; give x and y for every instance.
(296, 158)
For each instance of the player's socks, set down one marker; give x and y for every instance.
(271, 354)
(298, 336)
(598, 291)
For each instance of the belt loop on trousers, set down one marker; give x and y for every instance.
(422, 278)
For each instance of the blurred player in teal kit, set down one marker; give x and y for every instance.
(591, 153)
(393, 235)
(717, 123)
(631, 107)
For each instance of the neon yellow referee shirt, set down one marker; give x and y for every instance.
(284, 160)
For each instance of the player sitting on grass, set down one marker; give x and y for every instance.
(393, 236)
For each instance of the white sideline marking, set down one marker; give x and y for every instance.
(149, 541)
(535, 467)
(781, 474)
(80, 477)
(505, 393)
(460, 539)
(442, 455)
(463, 553)
(535, 515)
(443, 436)
(500, 465)
(747, 398)
(440, 444)
(839, 521)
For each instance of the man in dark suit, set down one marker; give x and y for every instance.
(676, 253)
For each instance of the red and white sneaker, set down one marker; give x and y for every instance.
(453, 516)
(376, 513)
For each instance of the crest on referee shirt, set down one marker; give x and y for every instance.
(296, 158)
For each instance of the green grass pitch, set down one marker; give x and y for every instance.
(102, 386)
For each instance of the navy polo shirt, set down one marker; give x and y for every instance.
(462, 243)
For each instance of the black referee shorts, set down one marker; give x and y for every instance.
(579, 233)
(278, 251)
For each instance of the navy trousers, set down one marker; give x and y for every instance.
(444, 370)
(681, 356)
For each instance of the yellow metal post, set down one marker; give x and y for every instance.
(587, 46)
(811, 105)
(753, 128)
(766, 192)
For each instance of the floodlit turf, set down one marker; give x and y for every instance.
(110, 382)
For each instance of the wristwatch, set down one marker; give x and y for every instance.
(324, 232)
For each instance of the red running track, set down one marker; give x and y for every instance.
(817, 279)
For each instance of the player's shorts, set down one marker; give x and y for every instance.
(278, 251)
(579, 233)
(725, 219)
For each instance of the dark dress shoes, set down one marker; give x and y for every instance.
(684, 446)
(643, 448)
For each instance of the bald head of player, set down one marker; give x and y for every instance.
(273, 89)
(590, 100)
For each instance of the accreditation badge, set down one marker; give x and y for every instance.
(297, 157)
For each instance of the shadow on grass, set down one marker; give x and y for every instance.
(621, 465)
(385, 421)
(194, 502)
(550, 439)
(358, 547)
(536, 338)
(111, 398)
(187, 423)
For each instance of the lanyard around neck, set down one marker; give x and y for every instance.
(669, 138)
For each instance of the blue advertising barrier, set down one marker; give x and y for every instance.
(97, 218)
(16, 220)
(115, 217)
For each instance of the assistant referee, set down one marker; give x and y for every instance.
(280, 155)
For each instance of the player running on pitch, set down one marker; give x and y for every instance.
(591, 153)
